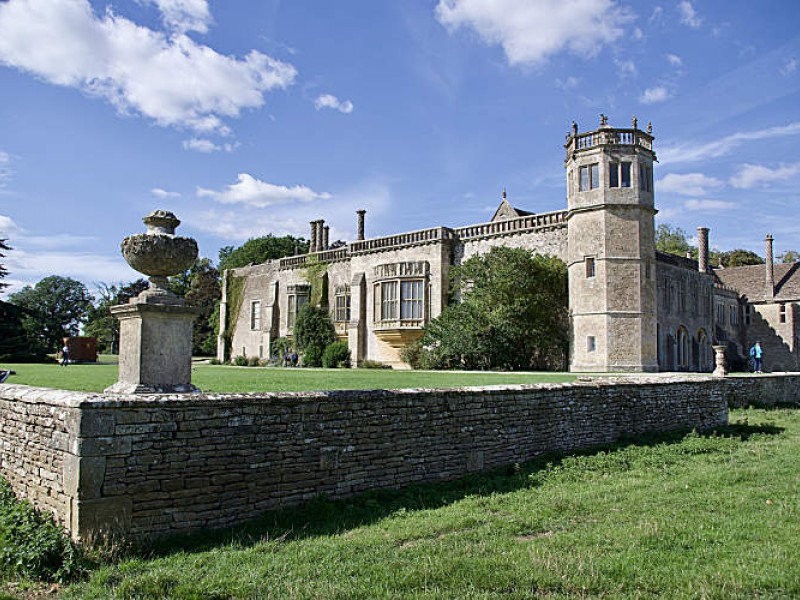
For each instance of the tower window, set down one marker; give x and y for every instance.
(590, 271)
(591, 344)
(619, 174)
(589, 177)
(645, 177)
(747, 314)
(782, 314)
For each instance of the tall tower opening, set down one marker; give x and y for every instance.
(611, 241)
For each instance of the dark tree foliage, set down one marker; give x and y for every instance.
(674, 240)
(790, 256)
(100, 323)
(15, 346)
(313, 332)
(203, 293)
(54, 309)
(3, 270)
(739, 258)
(513, 315)
(257, 250)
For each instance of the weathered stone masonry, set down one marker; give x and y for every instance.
(156, 465)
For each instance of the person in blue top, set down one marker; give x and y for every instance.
(757, 354)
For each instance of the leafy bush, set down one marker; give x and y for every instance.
(373, 364)
(239, 361)
(32, 546)
(253, 361)
(313, 332)
(280, 346)
(215, 361)
(336, 355)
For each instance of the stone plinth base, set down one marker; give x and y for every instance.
(155, 354)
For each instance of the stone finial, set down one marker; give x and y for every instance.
(504, 193)
(635, 121)
(603, 120)
(574, 129)
(649, 128)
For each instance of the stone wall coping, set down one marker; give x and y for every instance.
(73, 399)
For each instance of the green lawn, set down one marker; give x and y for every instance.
(211, 378)
(687, 516)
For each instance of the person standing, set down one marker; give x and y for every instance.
(757, 354)
(65, 355)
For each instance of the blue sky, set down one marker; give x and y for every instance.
(250, 117)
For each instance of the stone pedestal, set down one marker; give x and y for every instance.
(721, 369)
(155, 354)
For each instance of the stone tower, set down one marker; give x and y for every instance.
(611, 249)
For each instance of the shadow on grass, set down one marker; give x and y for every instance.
(322, 516)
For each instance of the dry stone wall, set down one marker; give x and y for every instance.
(157, 465)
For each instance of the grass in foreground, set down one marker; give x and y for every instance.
(714, 516)
(212, 378)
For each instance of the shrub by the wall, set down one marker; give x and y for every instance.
(336, 355)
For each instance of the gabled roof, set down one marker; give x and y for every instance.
(506, 211)
(750, 281)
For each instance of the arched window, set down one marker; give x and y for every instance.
(683, 345)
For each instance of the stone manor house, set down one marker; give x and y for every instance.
(632, 308)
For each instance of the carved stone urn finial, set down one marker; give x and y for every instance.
(159, 253)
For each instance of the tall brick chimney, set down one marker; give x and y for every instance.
(312, 246)
(702, 249)
(361, 212)
(326, 231)
(770, 282)
(320, 233)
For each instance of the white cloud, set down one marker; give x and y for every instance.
(689, 15)
(206, 146)
(331, 101)
(655, 94)
(625, 67)
(184, 15)
(790, 66)
(7, 227)
(253, 192)
(168, 78)
(656, 14)
(695, 151)
(161, 193)
(570, 83)
(705, 204)
(675, 60)
(531, 32)
(5, 169)
(690, 184)
(750, 176)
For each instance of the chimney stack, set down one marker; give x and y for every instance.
(361, 212)
(325, 237)
(312, 245)
(702, 249)
(320, 232)
(770, 269)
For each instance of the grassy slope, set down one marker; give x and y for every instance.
(691, 516)
(95, 378)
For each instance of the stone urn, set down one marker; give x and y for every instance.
(159, 253)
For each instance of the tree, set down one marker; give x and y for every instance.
(100, 323)
(258, 250)
(513, 314)
(54, 309)
(673, 240)
(3, 271)
(313, 332)
(739, 258)
(203, 293)
(790, 256)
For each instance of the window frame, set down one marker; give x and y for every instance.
(255, 315)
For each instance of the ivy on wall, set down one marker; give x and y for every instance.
(315, 273)
(234, 296)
